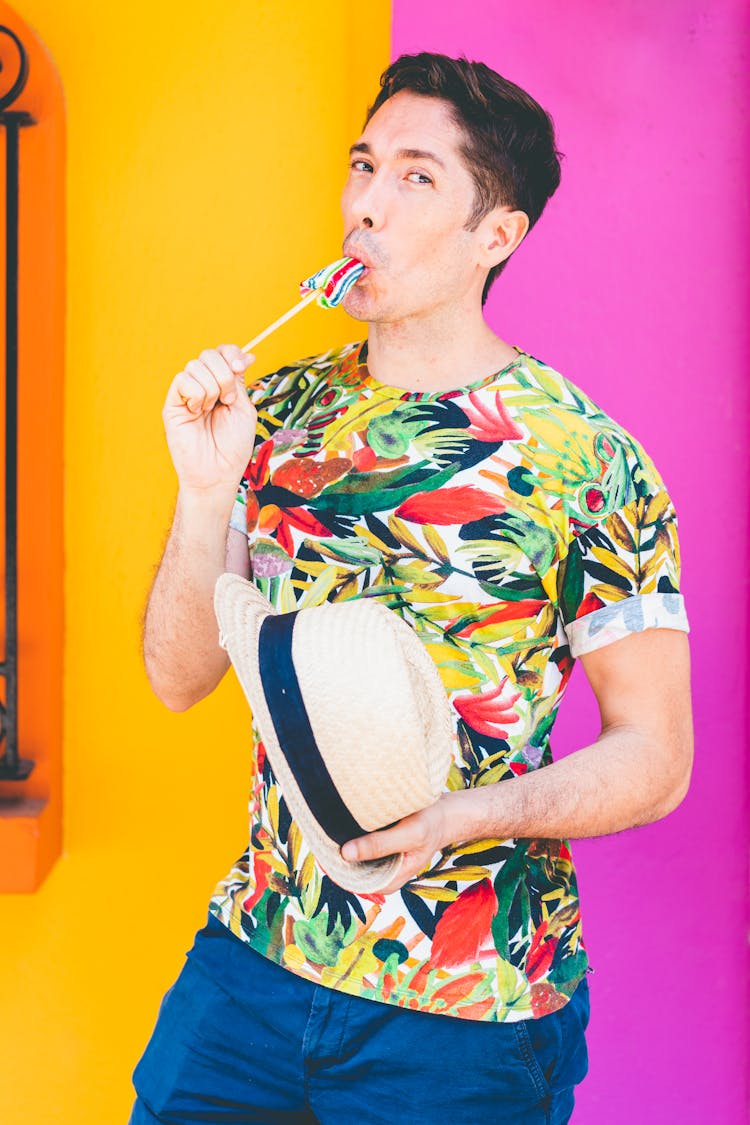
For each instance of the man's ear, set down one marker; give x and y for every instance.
(501, 232)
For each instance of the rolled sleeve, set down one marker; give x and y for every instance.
(632, 615)
(622, 573)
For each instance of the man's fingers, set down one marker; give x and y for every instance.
(223, 372)
(217, 377)
(207, 380)
(235, 357)
(237, 360)
(376, 845)
(186, 391)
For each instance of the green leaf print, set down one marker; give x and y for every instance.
(568, 972)
(361, 493)
(506, 885)
(353, 550)
(570, 583)
(537, 543)
(316, 943)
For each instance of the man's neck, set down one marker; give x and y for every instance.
(437, 353)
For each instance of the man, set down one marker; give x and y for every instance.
(491, 504)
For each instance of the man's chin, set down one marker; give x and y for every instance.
(357, 306)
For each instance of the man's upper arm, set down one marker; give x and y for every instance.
(643, 681)
(237, 556)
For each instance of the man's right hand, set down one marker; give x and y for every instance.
(209, 420)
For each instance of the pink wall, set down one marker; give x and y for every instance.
(635, 285)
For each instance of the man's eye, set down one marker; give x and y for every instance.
(360, 166)
(419, 178)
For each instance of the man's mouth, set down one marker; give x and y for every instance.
(354, 252)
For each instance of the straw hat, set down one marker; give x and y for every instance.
(352, 712)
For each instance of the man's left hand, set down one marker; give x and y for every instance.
(418, 837)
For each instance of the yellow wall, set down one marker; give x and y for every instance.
(206, 151)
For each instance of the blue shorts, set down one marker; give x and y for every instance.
(240, 1039)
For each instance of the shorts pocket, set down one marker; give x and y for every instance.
(553, 1047)
(535, 1065)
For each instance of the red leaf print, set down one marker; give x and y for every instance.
(541, 952)
(305, 521)
(261, 867)
(463, 926)
(477, 1011)
(456, 990)
(251, 512)
(545, 999)
(450, 505)
(490, 423)
(257, 470)
(284, 537)
(589, 605)
(419, 980)
(564, 667)
(296, 517)
(508, 611)
(486, 712)
(364, 459)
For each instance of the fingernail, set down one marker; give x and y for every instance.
(349, 851)
(238, 364)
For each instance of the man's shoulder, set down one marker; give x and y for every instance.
(566, 425)
(542, 387)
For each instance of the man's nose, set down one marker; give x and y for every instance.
(369, 206)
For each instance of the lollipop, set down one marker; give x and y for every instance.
(329, 285)
(335, 281)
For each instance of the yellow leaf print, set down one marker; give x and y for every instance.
(442, 894)
(273, 809)
(436, 542)
(404, 535)
(616, 563)
(318, 593)
(457, 874)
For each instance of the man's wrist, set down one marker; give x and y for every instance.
(199, 505)
(472, 814)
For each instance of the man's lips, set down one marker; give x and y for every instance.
(353, 252)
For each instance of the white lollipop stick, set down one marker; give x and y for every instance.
(330, 285)
(282, 320)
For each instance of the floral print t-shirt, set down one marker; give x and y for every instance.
(515, 527)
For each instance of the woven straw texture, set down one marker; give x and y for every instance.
(376, 705)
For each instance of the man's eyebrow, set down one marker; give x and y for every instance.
(402, 154)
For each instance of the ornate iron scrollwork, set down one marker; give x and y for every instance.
(19, 81)
(12, 767)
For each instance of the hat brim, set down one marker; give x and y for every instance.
(240, 609)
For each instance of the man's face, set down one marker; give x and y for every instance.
(405, 204)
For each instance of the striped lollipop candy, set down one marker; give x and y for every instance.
(329, 286)
(334, 281)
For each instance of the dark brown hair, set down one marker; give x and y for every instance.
(509, 140)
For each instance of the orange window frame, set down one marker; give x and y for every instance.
(31, 810)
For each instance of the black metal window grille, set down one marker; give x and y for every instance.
(12, 767)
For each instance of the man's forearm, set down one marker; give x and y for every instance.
(620, 781)
(616, 783)
(181, 648)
